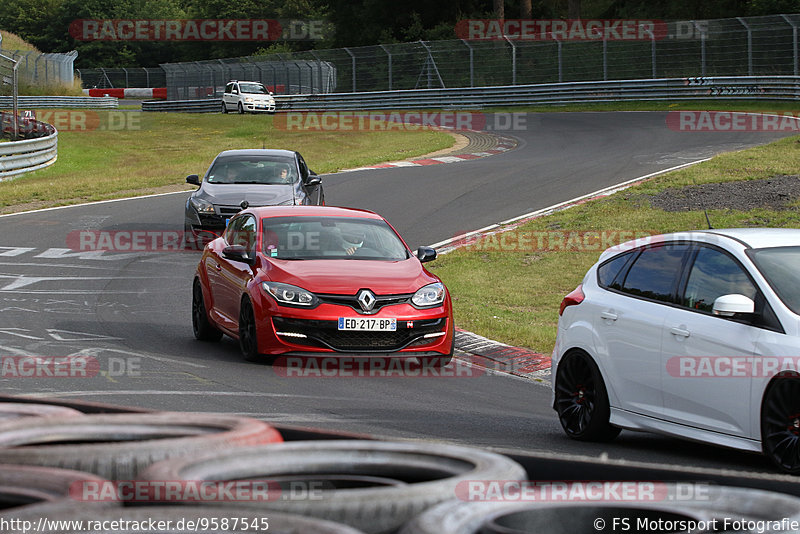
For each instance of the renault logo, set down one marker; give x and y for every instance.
(366, 299)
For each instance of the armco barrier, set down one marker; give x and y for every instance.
(711, 88)
(38, 149)
(207, 105)
(42, 102)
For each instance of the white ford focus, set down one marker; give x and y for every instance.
(694, 335)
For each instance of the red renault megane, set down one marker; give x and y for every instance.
(317, 280)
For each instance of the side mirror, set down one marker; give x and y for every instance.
(730, 305)
(237, 253)
(313, 179)
(193, 179)
(425, 254)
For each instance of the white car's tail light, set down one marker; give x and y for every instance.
(574, 298)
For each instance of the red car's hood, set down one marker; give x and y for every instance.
(346, 277)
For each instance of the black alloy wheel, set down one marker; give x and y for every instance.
(780, 423)
(202, 328)
(248, 340)
(582, 400)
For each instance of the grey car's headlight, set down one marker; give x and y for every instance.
(290, 295)
(248, 99)
(428, 296)
(202, 205)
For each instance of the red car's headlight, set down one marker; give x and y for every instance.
(429, 296)
(289, 295)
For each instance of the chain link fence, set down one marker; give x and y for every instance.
(114, 78)
(40, 69)
(752, 46)
(201, 79)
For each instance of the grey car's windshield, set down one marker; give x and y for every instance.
(253, 88)
(272, 170)
(331, 238)
(781, 267)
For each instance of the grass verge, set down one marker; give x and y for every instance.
(111, 154)
(513, 295)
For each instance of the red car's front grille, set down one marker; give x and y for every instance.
(326, 334)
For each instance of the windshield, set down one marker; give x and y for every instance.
(272, 170)
(315, 238)
(253, 88)
(780, 266)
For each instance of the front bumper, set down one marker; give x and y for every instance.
(419, 332)
(264, 107)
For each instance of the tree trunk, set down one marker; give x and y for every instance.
(574, 9)
(526, 9)
(499, 9)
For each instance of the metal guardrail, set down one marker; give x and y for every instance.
(42, 102)
(207, 105)
(749, 87)
(38, 149)
(713, 88)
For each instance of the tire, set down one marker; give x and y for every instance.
(780, 423)
(241, 109)
(224, 108)
(15, 410)
(484, 517)
(248, 334)
(30, 489)
(581, 400)
(118, 446)
(370, 485)
(201, 326)
(246, 520)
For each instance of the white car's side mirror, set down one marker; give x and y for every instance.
(728, 305)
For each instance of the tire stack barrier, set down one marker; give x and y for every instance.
(363, 485)
(37, 149)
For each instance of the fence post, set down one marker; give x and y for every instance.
(471, 63)
(794, 42)
(560, 65)
(702, 32)
(513, 60)
(389, 55)
(15, 98)
(653, 53)
(749, 45)
(354, 67)
(319, 71)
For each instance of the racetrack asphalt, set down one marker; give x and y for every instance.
(132, 313)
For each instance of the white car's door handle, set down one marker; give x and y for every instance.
(679, 332)
(611, 316)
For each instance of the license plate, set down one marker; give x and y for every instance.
(367, 324)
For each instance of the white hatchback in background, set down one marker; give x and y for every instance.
(251, 97)
(694, 335)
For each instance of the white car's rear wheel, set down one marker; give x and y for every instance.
(582, 400)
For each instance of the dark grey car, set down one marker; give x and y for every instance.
(238, 179)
